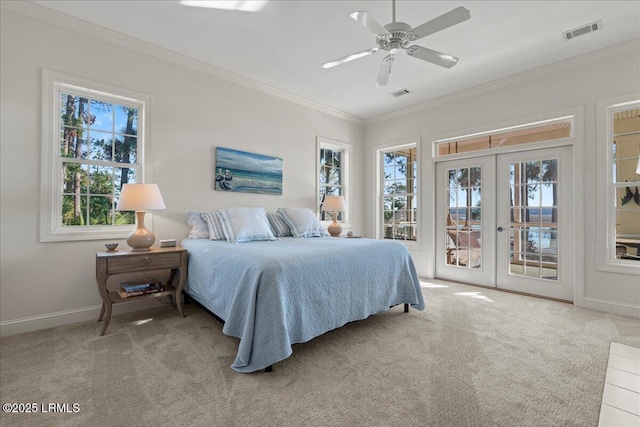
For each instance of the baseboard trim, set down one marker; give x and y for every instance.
(49, 320)
(624, 309)
(67, 317)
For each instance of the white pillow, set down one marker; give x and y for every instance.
(245, 224)
(303, 222)
(198, 225)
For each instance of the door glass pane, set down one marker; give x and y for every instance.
(533, 228)
(463, 217)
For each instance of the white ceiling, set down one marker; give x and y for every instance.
(284, 45)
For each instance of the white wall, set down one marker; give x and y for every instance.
(46, 284)
(579, 83)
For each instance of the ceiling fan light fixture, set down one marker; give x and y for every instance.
(394, 47)
(239, 5)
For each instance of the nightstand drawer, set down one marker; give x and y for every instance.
(142, 262)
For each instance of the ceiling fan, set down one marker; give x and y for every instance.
(396, 36)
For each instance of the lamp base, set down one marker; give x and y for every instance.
(140, 239)
(334, 229)
(140, 250)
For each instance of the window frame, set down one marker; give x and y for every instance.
(531, 145)
(606, 197)
(53, 84)
(379, 215)
(345, 149)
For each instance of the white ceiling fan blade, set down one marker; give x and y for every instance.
(433, 56)
(369, 23)
(447, 20)
(385, 70)
(350, 57)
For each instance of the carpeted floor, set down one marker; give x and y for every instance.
(474, 357)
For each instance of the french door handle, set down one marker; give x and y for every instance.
(500, 229)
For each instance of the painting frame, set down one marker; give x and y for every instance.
(247, 172)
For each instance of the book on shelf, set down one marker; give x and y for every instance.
(141, 286)
(124, 294)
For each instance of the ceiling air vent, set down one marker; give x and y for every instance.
(401, 92)
(585, 29)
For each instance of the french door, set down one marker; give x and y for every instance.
(505, 221)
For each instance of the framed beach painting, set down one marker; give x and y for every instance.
(245, 172)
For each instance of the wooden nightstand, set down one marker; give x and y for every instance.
(110, 263)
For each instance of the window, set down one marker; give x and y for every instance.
(92, 145)
(333, 162)
(398, 178)
(623, 180)
(547, 130)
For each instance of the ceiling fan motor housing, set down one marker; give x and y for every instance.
(399, 37)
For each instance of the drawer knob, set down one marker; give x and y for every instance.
(147, 262)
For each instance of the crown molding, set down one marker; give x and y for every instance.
(53, 17)
(631, 46)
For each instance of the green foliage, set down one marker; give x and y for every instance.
(397, 182)
(399, 168)
(330, 178)
(89, 188)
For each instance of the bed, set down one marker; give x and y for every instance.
(273, 294)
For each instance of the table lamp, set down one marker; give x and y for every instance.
(334, 204)
(140, 198)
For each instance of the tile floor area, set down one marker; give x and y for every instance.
(621, 397)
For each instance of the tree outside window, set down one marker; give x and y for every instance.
(98, 154)
(399, 193)
(330, 178)
(333, 163)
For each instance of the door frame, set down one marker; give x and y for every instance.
(575, 140)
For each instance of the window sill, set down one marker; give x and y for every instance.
(108, 233)
(621, 267)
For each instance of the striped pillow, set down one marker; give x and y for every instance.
(278, 225)
(245, 224)
(303, 222)
(214, 225)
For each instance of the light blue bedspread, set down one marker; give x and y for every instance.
(274, 294)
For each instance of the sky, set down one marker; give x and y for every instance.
(227, 158)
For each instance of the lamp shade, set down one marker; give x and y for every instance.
(140, 197)
(334, 204)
